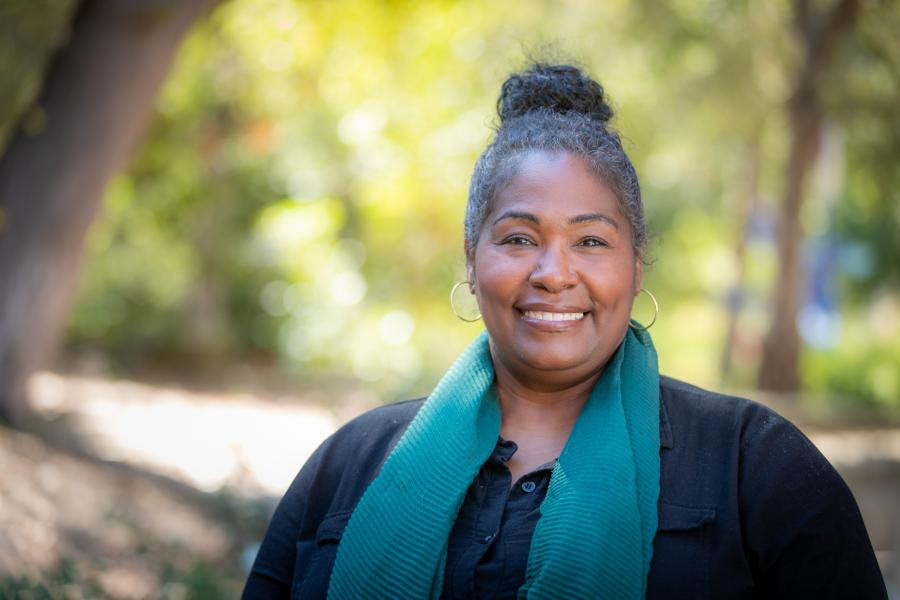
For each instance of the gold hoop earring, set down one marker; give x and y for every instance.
(453, 304)
(655, 305)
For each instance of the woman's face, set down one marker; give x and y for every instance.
(554, 272)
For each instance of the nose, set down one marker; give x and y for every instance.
(554, 271)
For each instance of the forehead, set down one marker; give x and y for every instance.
(556, 185)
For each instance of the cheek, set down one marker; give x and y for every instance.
(490, 285)
(613, 287)
(497, 280)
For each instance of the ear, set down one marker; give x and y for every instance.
(470, 276)
(638, 275)
(470, 266)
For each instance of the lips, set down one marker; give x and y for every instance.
(553, 316)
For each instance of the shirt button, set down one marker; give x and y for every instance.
(528, 487)
(488, 538)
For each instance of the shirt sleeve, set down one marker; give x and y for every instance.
(272, 573)
(803, 532)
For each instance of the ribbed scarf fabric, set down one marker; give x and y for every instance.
(595, 535)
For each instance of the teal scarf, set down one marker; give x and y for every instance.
(595, 534)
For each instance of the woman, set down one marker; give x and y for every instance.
(552, 460)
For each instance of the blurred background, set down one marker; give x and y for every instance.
(228, 227)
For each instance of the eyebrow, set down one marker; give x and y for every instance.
(524, 216)
(514, 214)
(593, 217)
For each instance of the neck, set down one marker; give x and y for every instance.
(537, 411)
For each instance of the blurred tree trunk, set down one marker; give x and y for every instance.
(818, 33)
(747, 201)
(96, 100)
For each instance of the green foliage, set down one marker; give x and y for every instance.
(198, 581)
(868, 110)
(195, 581)
(299, 198)
(30, 31)
(863, 377)
(24, 588)
(63, 581)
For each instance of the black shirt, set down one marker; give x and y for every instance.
(487, 551)
(748, 508)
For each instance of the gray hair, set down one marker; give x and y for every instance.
(554, 108)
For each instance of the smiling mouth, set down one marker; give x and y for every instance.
(553, 316)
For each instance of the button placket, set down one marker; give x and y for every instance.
(491, 507)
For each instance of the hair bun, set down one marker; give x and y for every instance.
(559, 88)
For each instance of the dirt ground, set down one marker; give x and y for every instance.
(80, 528)
(131, 490)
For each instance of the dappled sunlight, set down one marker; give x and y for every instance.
(255, 446)
(60, 514)
(238, 441)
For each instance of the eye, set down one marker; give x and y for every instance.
(592, 242)
(518, 240)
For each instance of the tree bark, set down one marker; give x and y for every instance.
(97, 98)
(819, 34)
(748, 201)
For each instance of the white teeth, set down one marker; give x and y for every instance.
(553, 316)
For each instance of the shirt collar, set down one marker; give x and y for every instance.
(506, 448)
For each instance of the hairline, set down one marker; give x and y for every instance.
(511, 168)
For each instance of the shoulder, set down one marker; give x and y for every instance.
(344, 464)
(716, 441)
(681, 397)
(772, 492)
(768, 465)
(367, 439)
(774, 495)
(694, 414)
(382, 422)
(325, 492)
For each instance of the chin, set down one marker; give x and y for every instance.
(558, 361)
